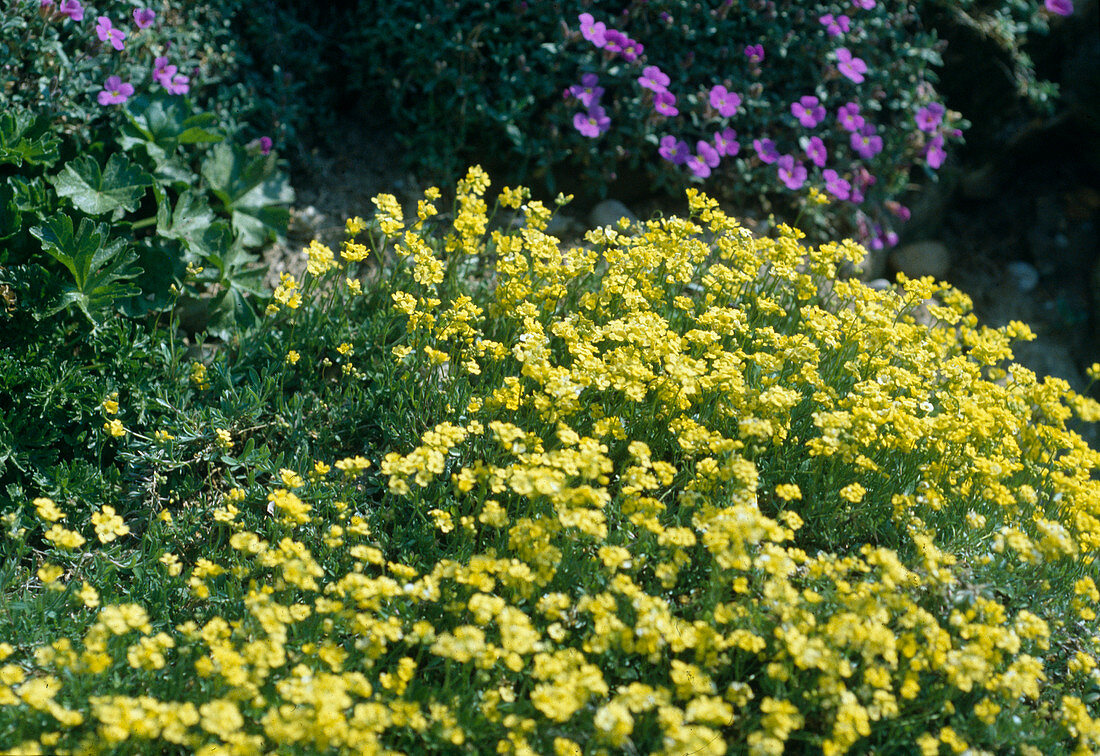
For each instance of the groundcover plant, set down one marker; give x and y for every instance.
(676, 489)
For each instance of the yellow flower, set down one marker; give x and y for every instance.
(221, 718)
(290, 478)
(853, 492)
(788, 491)
(319, 258)
(172, 562)
(513, 198)
(89, 596)
(108, 525)
(110, 405)
(223, 439)
(292, 357)
(115, 428)
(354, 226)
(47, 509)
(64, 538)
(198, 375)
(162, 437)
(49, 574)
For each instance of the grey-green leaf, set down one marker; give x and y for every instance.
(118, 187)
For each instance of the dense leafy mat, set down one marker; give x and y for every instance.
(676, 489)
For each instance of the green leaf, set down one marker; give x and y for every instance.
(11, 220)
(252, 189)
(119, 187)
(162, 122)
(190, 217)
(25, 138)
(100, 266)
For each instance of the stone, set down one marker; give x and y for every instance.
(562, 225)
(1023, 275)
(922, 258)
(608, 212)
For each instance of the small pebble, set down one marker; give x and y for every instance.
(608, 213)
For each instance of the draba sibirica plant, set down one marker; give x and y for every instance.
(829, 97)
(672, 491)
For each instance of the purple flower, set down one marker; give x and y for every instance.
(593, 123)
(816, 152)
(849, 65)
(808, 110)
(654, 79)
(834, 27)
(615, 40)
(935, 154)
(862, 180)
(725, 142)
(765, 150)
(665, 103)
(865, 142)
(698, 167)
(106, 33)
(849, 118)
(162, 72)
(792, 174)
(755, 53)
(265, 145)
(673, 150)
(115, 91)
(707, 153)
(178, 85)
(898, 209)
(592, 30)
(865, 4)
(835, 185)
(73, 9)
(706, 159)
(144, 17)
(929, 117)
(587, 92)
(1061, 7)
(632, 48)
(724, 101)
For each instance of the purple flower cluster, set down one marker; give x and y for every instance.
(809, 111)
(610, 40)
(594, 120)
(115, 91)
(836, 25)
(849, 65)
(70, 8)
(836, 146)
(166, 75)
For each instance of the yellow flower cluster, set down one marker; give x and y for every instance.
(702, 497)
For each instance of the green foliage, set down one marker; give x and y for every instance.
(69, 159)
(116, 188)
(100, 268)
